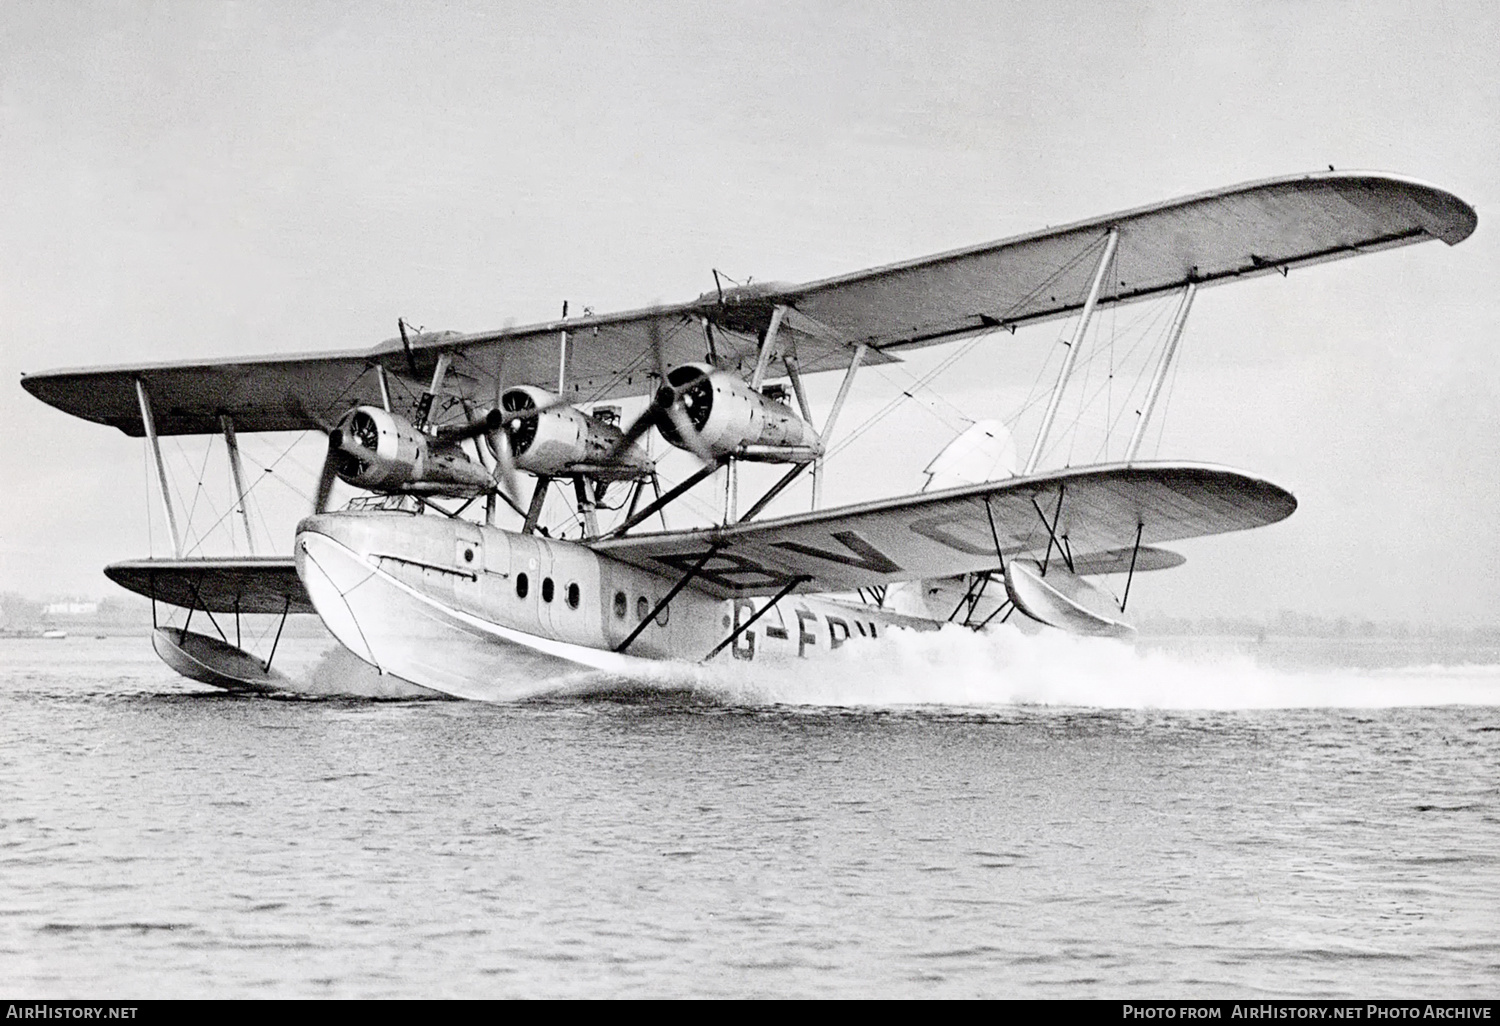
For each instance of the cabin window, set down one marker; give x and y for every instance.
(522, 585)
(622, 605)
(468, 555)
(546, 589)
(573, 595)
(642, 607)
(665, 615)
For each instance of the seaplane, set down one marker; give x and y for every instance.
(444, 571)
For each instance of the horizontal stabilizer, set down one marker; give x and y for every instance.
(245, 584)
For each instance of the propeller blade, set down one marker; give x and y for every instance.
(661, 401)
(665, 406)
(330, 471)
(505, 465)
(511, 416)
(485, 425)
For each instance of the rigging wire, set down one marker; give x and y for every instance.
(1142, 381)
(1161, 422)
(201, 493)
(895, 403)
(1147, 321)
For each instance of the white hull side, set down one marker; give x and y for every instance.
(397, 629)
(466, 611)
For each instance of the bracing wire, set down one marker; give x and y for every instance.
(895, 403)
(1161, 421)
(1146, 322)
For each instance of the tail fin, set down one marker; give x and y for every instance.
(985, 452)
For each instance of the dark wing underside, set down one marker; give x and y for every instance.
(249, 585)
(1097, 513)
(1225, 235)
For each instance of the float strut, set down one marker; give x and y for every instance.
(1133, 553)
(284, 610)
(198, 598)
(1051, 529)
(996, 613)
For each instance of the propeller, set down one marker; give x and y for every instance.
(666, 407)
(487, 424)
(358, 430)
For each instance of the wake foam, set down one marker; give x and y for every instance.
(341, 673)
(957, 667)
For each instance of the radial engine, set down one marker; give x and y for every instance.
(732, 419)
(383, 452)
(550, 438)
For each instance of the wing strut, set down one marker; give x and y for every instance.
(161, 468)
(762, 611)
(663, 500)
(771, 493)
(538, 498)
(833, 415)
(232, 444)
(1168, 352)
(668, 597)
(562, 355)
(767, 346)
(1111, 241)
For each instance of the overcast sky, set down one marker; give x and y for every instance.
(184, 180)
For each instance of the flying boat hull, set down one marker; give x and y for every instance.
(442, 603)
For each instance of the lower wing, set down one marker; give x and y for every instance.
(1097, 519)
(244, 584)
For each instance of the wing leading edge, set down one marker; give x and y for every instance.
(1229, 234)
(1096, 512)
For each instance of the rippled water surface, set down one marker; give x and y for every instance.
(727, 835)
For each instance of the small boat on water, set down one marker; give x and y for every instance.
(54, 632)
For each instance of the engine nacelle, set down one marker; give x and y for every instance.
(732, 419)
(562, 440)
(383, 452)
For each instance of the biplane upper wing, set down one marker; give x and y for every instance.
(1097, 514)
(1225, 235)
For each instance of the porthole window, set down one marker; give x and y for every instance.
(522, 585)
(622, 604)
(642, 607)
(573, 596)
(468, 555)
(664, 615)
(546, 589)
